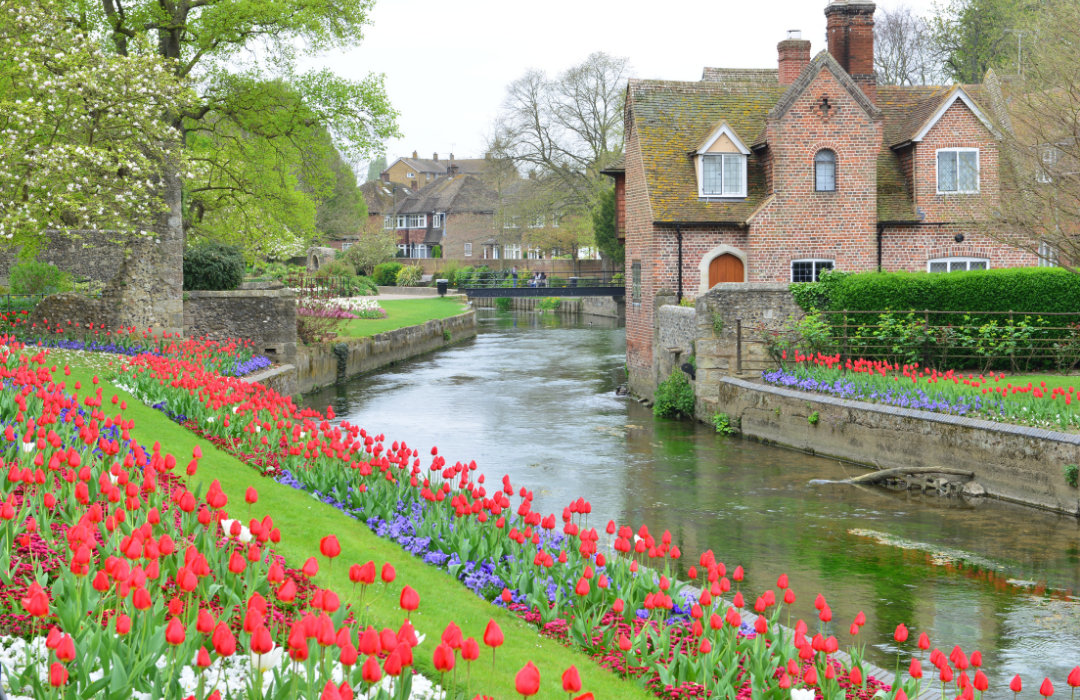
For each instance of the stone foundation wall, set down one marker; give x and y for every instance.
(676, 337)
(85, 255)
(334, 363)
(1013, 463)
(266, 316)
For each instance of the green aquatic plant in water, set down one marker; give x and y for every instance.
(674, 397)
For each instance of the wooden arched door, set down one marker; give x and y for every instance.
(726, 268)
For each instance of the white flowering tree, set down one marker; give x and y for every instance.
(82, 133)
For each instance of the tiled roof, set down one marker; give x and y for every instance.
(461, 194)
(465, 166)
(618, 166)
(907, 108)
(672, 117)
(379, 196)
(766, 76)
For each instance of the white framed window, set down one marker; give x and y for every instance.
(401, 219)
(722, 175)
(1048, 157)
(825, 171)
(417, 220)
(958, 171)
(555, 219)
(511, 221)
(438, 220)
(957, 264)
(535, 254)
(403, 249)
(512, 251)
(345, 245)
(1047, 255)
(468, 250)
(410, 174)
(421, 251)
(537, 222)
(809, 269)
(388, 221)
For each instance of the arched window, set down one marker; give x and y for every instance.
(825, 171)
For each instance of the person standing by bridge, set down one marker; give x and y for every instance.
(513, 273)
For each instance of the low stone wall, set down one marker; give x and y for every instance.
(266, 316)
(86, 255)
(410, 291)
(334, 363)
(283, 379)
(608, 307)
(676, 336)
(1013, 463)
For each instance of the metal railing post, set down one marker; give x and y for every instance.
(926, 340)
(738, 346)
(1012, 350)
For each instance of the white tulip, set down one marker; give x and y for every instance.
(268, 661)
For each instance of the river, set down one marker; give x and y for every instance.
(533, 396)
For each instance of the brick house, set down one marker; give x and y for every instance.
(420, 172)
(778, 175)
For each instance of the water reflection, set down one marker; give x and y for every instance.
(533, 396)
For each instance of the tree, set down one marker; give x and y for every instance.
(82, 136)
(375, 168)
(344, 211)
(258, 123)
(565, 129)
(973, 36)
(375, 246)
(904, 53)
(1039, 208)
(604, 228)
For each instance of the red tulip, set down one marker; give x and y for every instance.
(348, 655)
(410, 599)
(924, 644)
(310, 568)
(202, 659)
(58, 675)
(388, 573)
(392, 665)
(1047, 688)
(261, 643)
(371, 672)
(1016, 685)
(470, 650)
(819, 602)
(856, 676)
(223, 640)
(452, 636)
(123, 624)
(251, 496)
(329, 546)
(782, 582)
(915, 670)
(624, 643)
(901, 633)
(1073, 680)
(571, 680)
(330, 692)
(174, 632)
(981, 682)
(443, 658)
(527, 681)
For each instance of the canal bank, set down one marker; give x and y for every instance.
(533, 396)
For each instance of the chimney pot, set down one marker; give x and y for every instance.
(435, 157)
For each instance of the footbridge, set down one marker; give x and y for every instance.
(599, 285)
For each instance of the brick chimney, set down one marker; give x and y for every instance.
(850, 28)
(794, 55)
(435, 157)
(414, 155)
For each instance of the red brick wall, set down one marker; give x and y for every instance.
(639, 248)
(467, 228)
(803, 223)
(910, 247)
(957, 128)
(620, 207)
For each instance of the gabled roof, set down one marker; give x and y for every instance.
(765, 76)
(460, 194)
(722, 129)
(465, 166)
(956, 93)
(671, 119)
(823, 61)
(911, 111)
(380, 197)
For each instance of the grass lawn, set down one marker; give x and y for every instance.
(303, 520)
(401, 313)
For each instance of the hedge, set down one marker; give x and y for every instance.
(213, 267)
(1026, 290)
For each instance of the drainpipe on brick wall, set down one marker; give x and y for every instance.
(678, 237)
(880, 235)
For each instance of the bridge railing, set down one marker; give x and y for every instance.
(503, 279)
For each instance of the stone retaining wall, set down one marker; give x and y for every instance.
(266, 316)
(1013, 463)
(607, 307)
(676, 336)
(334, 363)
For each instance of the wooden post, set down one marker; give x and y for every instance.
(738, 346)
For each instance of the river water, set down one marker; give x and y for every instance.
(533, 396)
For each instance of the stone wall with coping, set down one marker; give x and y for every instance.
(265, 316)
(337, 362)
(1013, 463)
(85, 255)
(676, 338)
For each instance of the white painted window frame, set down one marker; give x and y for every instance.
(468, 250)
(388, 221)
(417, 221)
(791, 266)
(701, 175)
(438, 220)
(978, 170)
(958, 258)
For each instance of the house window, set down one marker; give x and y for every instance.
(388, 221)
(825, 171)
(537, 222)
(723, 175)
(1049, 155)
(809, 270)
(417, 220)
(511, 221)
(958, 170)
(635, 282)
(438, 220)
(534, 253)
(421, 251)
(468, 250)
(1047, 255)
(410, 174)
(401, 219)
(346, 245)
(957, 264)
(555, 218)
(403, 250)
(512, 251)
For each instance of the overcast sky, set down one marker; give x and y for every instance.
(447, 62)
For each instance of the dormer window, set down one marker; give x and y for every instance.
(720, 162)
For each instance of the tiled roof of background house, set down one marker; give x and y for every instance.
(768, 76)
(379, 196)
(465, 166)
(461, 194)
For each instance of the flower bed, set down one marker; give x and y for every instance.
(613, 595)
(988, 396)
(117, 581)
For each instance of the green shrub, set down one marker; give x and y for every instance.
(409, 276)
(449, 273)
(33, 277)
(722, 423)
(550, 303)
(689, 302)
(385, 275)
(502, 304)
(674, 397)
(336, 268)
(813, 418)
(1072, 474)
(213, 267)
(436, 251)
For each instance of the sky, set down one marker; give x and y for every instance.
(447, 62)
